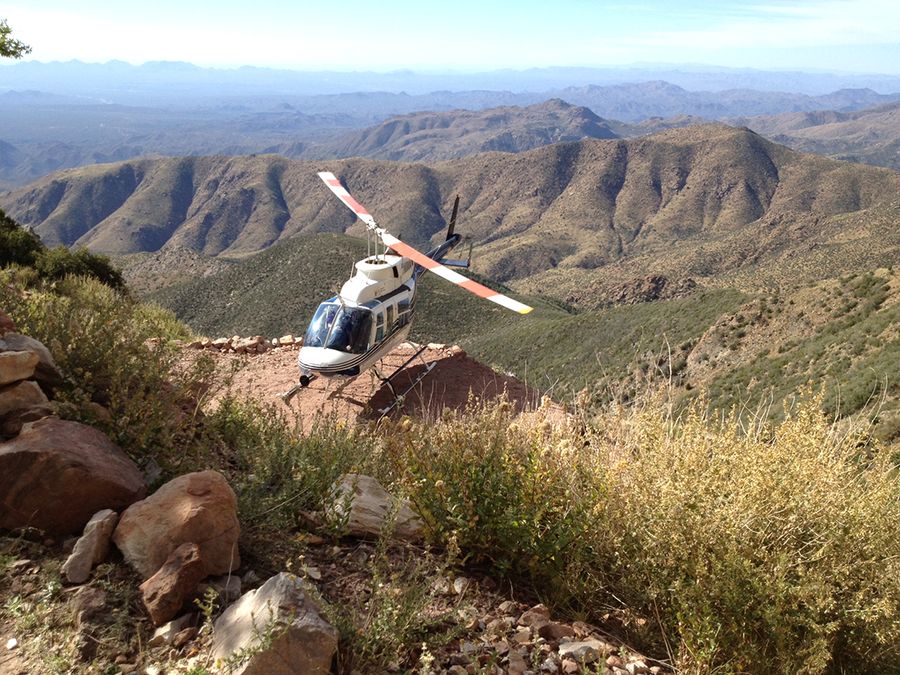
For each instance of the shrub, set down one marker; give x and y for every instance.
(777, 548)
(17, 246)
(60, 262)
(514, 496)
(101, 341)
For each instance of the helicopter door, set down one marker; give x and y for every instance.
(379, 328)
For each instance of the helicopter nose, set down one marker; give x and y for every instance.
(316, 358)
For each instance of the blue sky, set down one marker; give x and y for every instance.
(467, 35)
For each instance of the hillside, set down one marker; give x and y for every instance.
(871, 136)
(705, 201)
(738, 347)
(433, 136)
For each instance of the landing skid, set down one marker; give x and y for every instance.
(290, 393)
(400, 398)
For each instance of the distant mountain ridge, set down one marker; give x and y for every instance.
(702, 200)
(433, 136)
(871, 136)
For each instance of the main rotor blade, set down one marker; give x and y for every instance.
(335, 186)
(434, 266)
(417, 256)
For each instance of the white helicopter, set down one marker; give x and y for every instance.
(373, 312)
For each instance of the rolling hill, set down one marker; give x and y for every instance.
(433, 136)
(565, 220)
(739, 348)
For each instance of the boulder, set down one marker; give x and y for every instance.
(165, 592)
(15, 366)
(46, 372)
(91, 547)
(20, 396)
(56, 474)
(279, 627)
(364, 507)
(197, 507)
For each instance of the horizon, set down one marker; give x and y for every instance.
(832, 36)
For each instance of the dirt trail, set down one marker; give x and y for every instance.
(454, 378)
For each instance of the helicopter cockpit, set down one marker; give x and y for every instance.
(339, 327)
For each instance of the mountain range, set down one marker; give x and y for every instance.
(569, 220)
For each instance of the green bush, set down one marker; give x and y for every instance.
(514, 496)
(115, 353)
(17, 246)
(60, 262)
(20, 247)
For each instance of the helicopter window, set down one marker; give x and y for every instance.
(345, 329)
(379, 328)
(390, 317)
(321, 322)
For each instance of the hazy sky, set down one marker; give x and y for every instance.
(838, 35)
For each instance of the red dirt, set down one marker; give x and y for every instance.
(453, 382)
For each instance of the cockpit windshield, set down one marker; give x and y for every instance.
(335, 326)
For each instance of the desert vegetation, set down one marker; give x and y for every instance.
(710, 543)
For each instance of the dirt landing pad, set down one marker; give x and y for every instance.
(452, 382)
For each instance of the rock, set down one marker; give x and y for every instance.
(554, 631)
(550, 664)
(12, 643)
(165, 592)
(46, 372)
(286, 339)
(636, 667)
(584, 651)
(56, 474)
(298, 640)
(197, 507)
(364, 507)
(184, 636)
(460, 584)
(516, 664)
(570, 666)
(508, 608)
(228, 587)
(614, 662)
(534, 617)
(165, 634)
(91, 548)
(221, 343)
(13, 422)
(522, 636)
(15, 366)
(88, 603)
(457, 670)
(500, 626)
(20, 396)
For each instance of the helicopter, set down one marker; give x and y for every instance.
(372, 314)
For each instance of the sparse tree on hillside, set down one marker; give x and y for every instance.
(9, 46)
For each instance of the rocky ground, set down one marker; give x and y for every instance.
(102, 574)
(455, 381)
